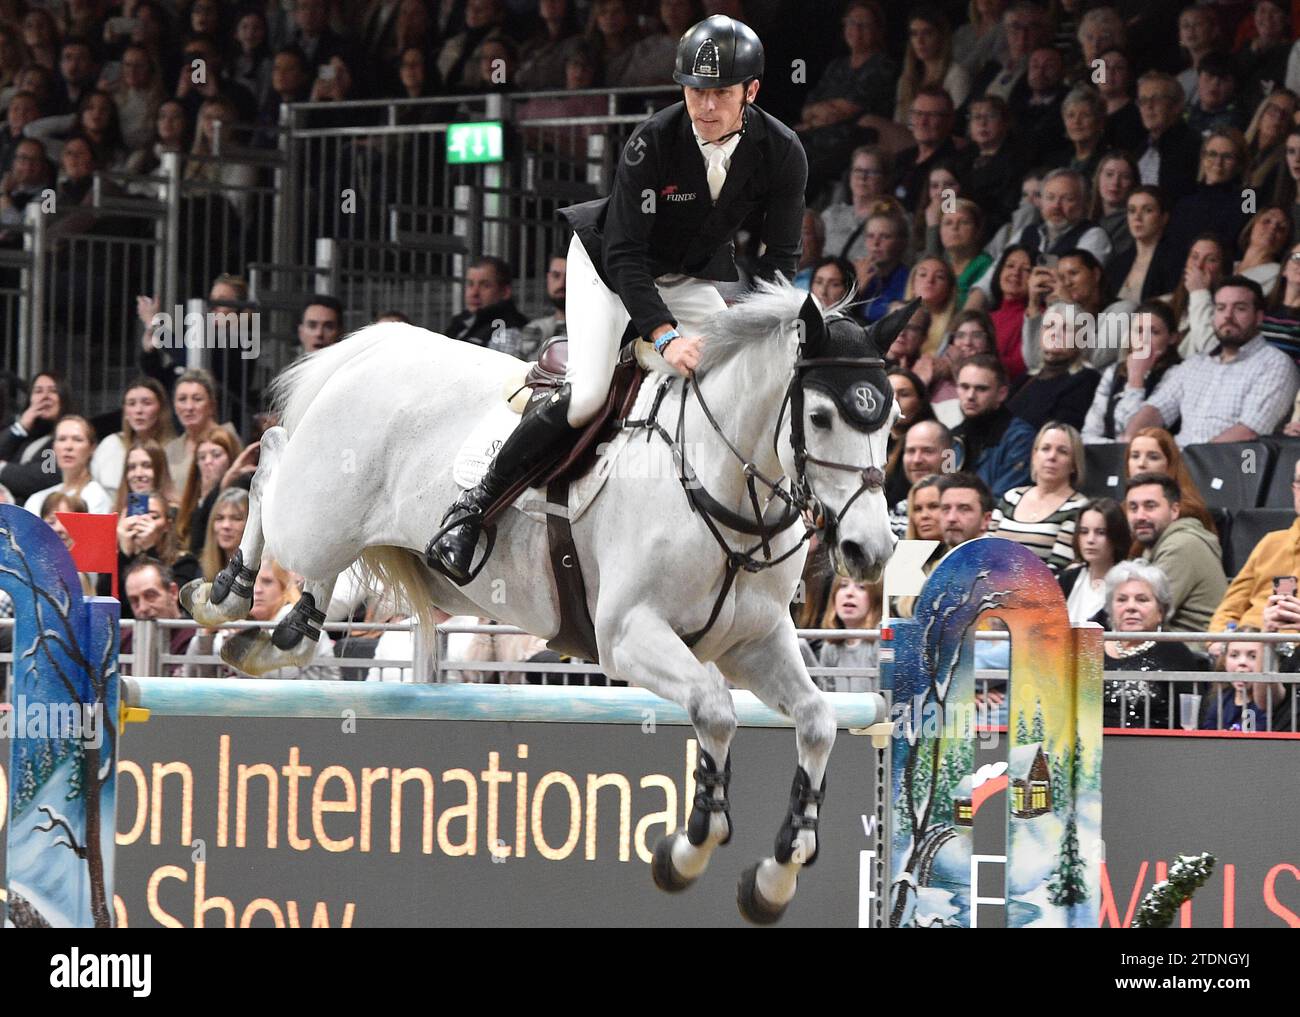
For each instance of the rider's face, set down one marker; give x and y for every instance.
(717, 111)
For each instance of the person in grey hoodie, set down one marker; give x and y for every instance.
(1179, 546)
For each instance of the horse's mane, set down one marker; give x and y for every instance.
(763, 315)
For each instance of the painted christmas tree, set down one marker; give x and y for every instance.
(1060, 783)
(1068, 885)
(76, 776)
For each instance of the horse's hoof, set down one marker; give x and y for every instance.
(753, 908)
(189, 592)
(665, 874)
(194, 598)
(251, 651)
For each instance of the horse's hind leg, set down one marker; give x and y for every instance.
(774, 671)
(292, 643)
(640, 647)
(229, 597)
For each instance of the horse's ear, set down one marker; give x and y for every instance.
(885, 331)
(812, 327)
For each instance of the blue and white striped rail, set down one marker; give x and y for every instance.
(251, 697)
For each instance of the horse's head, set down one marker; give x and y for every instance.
(842, 411)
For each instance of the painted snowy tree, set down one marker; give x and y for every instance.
(1022, 732)
(1089, 779)
(1061, 765)
(65, 655)
(1068, 885)
(1038, 732)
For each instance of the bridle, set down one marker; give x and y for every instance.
(800, 501)
(872, 476)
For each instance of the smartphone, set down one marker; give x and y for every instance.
(327, 72)
(137, 504)
(1285, 586)
(1048, 260)
(122, 26)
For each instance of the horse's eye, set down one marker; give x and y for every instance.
(821, 420)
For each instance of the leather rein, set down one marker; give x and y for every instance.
(799, 499)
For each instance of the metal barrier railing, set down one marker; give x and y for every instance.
(86, 266)
(346, 183)
(428, 660)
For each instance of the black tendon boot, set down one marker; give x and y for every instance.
(544, 426)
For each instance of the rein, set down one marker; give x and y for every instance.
(799, 499)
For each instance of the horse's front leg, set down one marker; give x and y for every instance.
(774, 671)
(229, 597)
(639, 646)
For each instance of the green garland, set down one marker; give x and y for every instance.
(1188, 874)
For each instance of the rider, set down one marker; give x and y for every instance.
(690, 176)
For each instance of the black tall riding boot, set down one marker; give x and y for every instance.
(544, 426)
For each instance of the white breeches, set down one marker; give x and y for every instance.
(596, 320)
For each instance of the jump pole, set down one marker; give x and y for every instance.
(260, 697)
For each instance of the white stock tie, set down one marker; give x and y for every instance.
(717, 171)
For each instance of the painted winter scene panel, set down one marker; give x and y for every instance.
(1052, 713)
(61, 734)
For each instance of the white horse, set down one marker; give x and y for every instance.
(361, 467)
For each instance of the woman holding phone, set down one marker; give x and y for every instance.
(145, 528)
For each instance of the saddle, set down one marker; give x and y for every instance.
(577, 634)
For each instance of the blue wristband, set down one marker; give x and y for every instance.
(665, 339)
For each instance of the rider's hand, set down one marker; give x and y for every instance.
(683, 353)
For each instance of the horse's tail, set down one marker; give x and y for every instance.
(299, 384)
(400, 572)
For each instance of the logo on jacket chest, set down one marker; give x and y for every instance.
(671, 193)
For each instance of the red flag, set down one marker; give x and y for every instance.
(94, 542)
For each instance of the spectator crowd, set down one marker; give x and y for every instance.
(1103, 230)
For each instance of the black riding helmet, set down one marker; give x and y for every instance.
(717, 53)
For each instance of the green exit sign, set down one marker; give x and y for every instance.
(474, 142)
